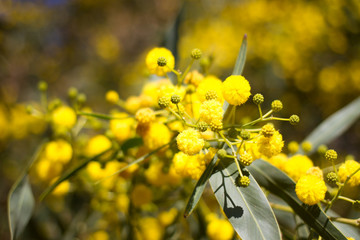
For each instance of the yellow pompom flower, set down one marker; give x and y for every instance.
(94, 171)
(194, 77)
(47, 170)
(122, 202)
(152, 61)
(122, 128)
(58, 151)
(99, 235)
(97, 145)
(145, 116)
(346, 169)
(112, 97)
(236, 90)
(189, 166)
(278, 160)
(168, 217)
(190, 141)
(64, 116)
(270, 146)
(316, 171)
(210, 83)
(61, 189)
(219, 229)
(211, 111)
(297, 166)
(310, 189)
(150, 229)
(141, 195)
(156, 136)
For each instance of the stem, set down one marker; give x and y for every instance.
(346, 199)
(233, 151)
(281, 207)
(353, 222)
(260, 111)
(180, 82)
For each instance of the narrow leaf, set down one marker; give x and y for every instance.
(247, 209)
(199, 188)
(334, 125)
(101, 116)
(241, 58)
(281, 185)
(130, 143)
(21, 205)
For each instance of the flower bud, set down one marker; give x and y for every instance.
(175, 99)
(331, 155)
(258, 99)
(161, 61)
(276, 105)
(196, 53)
(294, 119)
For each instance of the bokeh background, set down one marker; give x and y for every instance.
(305, 53)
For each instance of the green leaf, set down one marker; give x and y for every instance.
(281, 185)
(334, 125)
(101, 116)
(247, 209)
(241, 58)
(199, 188)
(130, 143)
(21, 205)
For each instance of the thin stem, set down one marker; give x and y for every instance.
(353, 222)
(180, 82)
(233, 151)
(281, 207)
(260, 111)
(346, 199)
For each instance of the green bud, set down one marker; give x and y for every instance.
(175, 99)
(202, 126)
(196, 53)
(222, 154)
(331, 177)
(81, 98)
(258, 99)
(294, 119)
(161, 61)
(72, 93)
(164, 102)
(242, 181)
(276, 105)
(331, 155)
(42, 86)
(245, 134)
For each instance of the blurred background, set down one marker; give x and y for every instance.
(305, 53)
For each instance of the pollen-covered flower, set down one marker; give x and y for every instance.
(152, 61)
(270, 146)
(190, 141)
(210, 111)
(64, 116)
(122, 126)
(156, 136)
(189, 166)
(346, 169)
(219, 229)
(310, 189)
(112, 97)
(97, 145)
(141, 195)
(297, 166)
(58, 150)
(145, 116)
(210, 83)
(236, 90)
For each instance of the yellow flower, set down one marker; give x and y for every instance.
(346, 169)
(316, 171)
(236, 90)
(46, 170)
(190, 141)
(194, 77)
(270, 146)
(140, 195)
(150, 229)
(61, 189)
(310, 189)
(99, 235)
(167, 217)
(156, 136)
(297, 166)
(58, 151)
(219, 229)
(97, 145)
(112, 97)
(210, 83)
(64, 116)
(278, 160)
(94, 171)
(152, 61)
(189, 166)
(122, 202)
(211, 111)
(145, 116)
(122, 128)
(293, 147)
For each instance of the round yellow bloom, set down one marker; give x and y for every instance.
(211, 111)
(122, 128)
(189, 166)
(61, 189)
(316, 171)
(293, 147)
(141, 195)
(278, 160)
(150, 229)
(190, 141)
(219, 229)
(97, 145)
(152, 61)
(112, 97)
(95, 171)
(99, 235)
(210, 83)
(270, 146)
(58, 151)
(297, 166)
(47, 170)
(310, 189)
(236, 90)
(122, 202)
(156, 136)
(194, 77)
(346, 169)
(167, 217)
(145, 116)
(64, 116)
